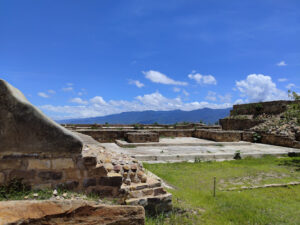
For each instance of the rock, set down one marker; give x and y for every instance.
(108, 166)
(68, 212)
(35, 195)
(25, 129)
(65, 195)
(127, 181)
(117, 168)
(133, 168)
(140, 174)
(55, 192)
(126, 168)
(144, 179)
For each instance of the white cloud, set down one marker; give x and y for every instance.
(258, 87)
(80, 93)
(136, 83)
(290, 85)
(211, 96)
(185, 93)
(176, 89)
(153, 101)
(43, 95)
(281, 63)
(69, 84)
(225, 98)
(239, 101)
(67, 89)
(79, 101)
(158, 77)
(51, 91)
(282, 80)
(98, 100)
(203, 79)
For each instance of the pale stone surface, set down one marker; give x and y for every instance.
(39, 164)
(63, 163)
(178, 150)
(25, 129)
(69, 212)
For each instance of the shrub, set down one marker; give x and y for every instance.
(237, 155)
(256, 137)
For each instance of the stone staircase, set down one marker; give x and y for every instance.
(151, 195)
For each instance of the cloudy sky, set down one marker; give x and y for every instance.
(76, 58)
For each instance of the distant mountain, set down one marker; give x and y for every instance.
(206, 115)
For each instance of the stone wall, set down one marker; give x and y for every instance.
(110, 135)
(74, 173)
(142, 137)
(238, 124)
(279, 140)
(219, 135)
(273, 107)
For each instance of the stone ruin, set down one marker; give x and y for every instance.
(43, 154)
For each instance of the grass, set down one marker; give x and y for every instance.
(16, 190)
(194, 203)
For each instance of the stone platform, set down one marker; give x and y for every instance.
(189, 149)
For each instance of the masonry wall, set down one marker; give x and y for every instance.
(238, 124)
(105, 135)
(219, 135)
(72, 172)
(273, 107)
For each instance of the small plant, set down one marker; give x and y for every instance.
(106, 124)
(136, 126)
(220, 145)
(13, 189)
(156, 123)
(237, 155)
(197, 159)
(129, 146)
(256, 138)
(94, 126)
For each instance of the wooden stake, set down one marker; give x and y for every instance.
(215, 186)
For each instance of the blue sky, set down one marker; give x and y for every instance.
(76, 58)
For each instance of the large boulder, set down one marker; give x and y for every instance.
(69, 212)
(25, 129)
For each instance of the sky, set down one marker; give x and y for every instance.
(78, 58)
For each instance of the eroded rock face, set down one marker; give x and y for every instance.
(25, 129)
(69, 212)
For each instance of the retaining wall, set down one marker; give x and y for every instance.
(238, 124)
(70, 172)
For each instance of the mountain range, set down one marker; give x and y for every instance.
(206, 115)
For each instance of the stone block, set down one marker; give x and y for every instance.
(22, 174)
(89, 161)
(39, 164)
(89, 182)
(69, 212)
(50, 175)
(112, 179)
(2, 178)
(68, 185)
(25, 129)
(10, 164)
(62, 163)
(141, 137)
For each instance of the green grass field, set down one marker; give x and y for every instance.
(193, 192)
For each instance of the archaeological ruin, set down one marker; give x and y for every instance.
(106, 160)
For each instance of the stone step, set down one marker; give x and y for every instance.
(147, 192)
(153, 204)
(151, 183)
